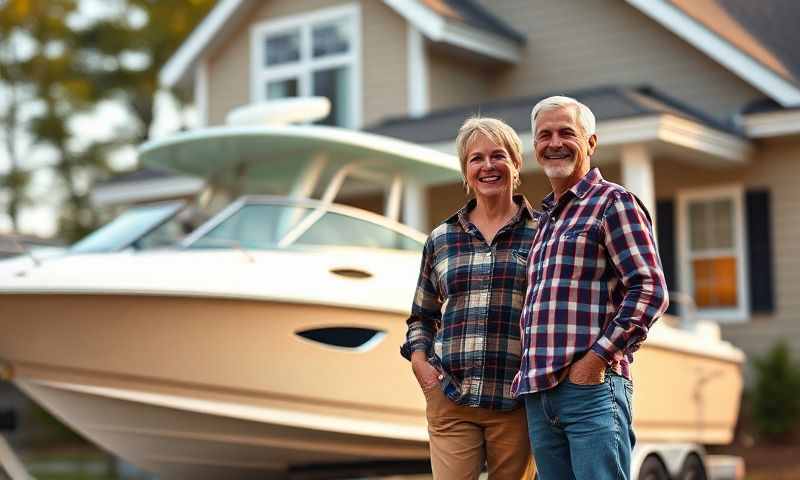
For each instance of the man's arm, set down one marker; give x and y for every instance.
(632, 250)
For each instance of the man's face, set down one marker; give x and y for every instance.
(561, 145)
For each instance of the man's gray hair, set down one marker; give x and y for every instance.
(585, 116)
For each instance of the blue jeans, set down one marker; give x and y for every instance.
(582, 432)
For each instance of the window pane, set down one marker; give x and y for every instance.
(331, 38)
(697, 226)
(127, 228)
(253, 226)
(721, 213)
(715, 282)
(334, 84)
(282, 48)
(282, 89)
(341, 230)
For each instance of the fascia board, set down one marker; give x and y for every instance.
(772, 124)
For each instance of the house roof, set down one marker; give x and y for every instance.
(607, 103)
(472, 13)
(755, 40)
(463, 23)
(765, 30)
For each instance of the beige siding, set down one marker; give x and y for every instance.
(229, 75)
(383, 59)
(775, 168)
(385, 64)
(455, 81)
(608, 42)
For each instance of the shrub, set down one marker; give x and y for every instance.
(776, 393)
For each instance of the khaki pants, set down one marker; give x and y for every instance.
(462, 438)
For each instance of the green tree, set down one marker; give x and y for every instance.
(71, 68)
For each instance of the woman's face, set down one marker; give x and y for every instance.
(488, 169)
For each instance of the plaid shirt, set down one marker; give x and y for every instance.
(595, 283)
(466, 310)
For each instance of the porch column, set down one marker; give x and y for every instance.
(415, 205)
(418, 93)
(637, 175)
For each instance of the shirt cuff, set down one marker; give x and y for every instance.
(408, 348)
(610, 355)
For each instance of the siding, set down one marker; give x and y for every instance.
(383, 44)
(604, 42)
(773, 167)
(455, 81)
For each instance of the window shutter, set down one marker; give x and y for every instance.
(665, 231)
(759, 250)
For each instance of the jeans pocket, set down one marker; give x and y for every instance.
(583, 386)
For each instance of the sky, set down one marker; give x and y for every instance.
(40, 218)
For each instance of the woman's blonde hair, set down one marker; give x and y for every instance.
(499, 133)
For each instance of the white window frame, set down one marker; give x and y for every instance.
(735, 193)
(304, 68)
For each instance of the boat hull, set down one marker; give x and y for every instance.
(185, 386)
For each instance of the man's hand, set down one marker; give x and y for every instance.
(589, 370)
(427, 376)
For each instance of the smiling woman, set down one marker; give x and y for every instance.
(463, 335)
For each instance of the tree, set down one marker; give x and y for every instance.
(71, 68)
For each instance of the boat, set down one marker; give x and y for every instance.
(266, 344)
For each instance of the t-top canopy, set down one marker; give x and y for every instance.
(271, 159)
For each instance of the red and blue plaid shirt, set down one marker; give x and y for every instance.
(465, 314)
(594, 283)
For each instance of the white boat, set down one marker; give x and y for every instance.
(267, 345)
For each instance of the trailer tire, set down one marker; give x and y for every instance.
(693, 469)
(653, 469)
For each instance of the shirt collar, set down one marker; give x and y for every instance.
(592, 178)
(462, 215)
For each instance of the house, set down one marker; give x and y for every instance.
(698, 106)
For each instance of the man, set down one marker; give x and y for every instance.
(595, 287)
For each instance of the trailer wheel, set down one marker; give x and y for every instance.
(652, 469)
(693, 469)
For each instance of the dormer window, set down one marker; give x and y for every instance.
(313, 54)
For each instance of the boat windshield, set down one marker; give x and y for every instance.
(263, 226)
(142, 227)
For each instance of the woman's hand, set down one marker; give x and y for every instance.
(427, 376)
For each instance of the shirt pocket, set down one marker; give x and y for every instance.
(520, 256)
(579, 251)
(589, 231)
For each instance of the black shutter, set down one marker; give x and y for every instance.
(665, 231)
(759, 250)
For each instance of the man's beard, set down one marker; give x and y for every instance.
(562, 169)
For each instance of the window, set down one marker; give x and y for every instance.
(340, 230)
(354, 338)
(315, 54)
(713, 266)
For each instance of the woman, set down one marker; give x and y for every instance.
(463, 332)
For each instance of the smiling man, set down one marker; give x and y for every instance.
(595, 288)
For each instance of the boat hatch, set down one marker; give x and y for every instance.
(357, 338)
